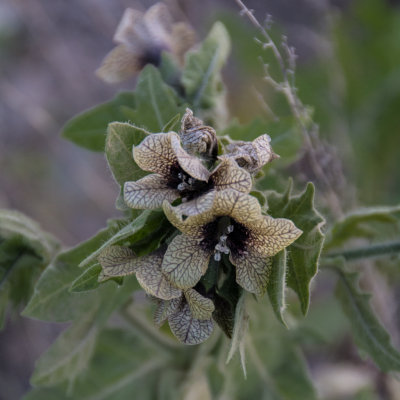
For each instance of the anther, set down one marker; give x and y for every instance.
(217, 256)
(182, 186)
(229, 229)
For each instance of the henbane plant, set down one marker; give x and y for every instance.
(206, 240)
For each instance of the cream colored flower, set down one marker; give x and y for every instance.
(177, 174)
(141, 38)
(233, 225)
(118, 261)
(189, 316)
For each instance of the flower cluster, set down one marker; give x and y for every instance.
(221, 229)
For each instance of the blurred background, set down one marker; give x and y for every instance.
(348, 72)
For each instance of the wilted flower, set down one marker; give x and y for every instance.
(179, 174)
(198, 138)
(233, 225)
(141, 38)
(252, 155)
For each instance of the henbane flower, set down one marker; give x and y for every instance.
(177, 174)
(141, 38)
(188, 312)
(189, 316)
(119, 261)
(234, 225)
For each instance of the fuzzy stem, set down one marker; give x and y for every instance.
(148, 332)
(381, 249)
(296, 106)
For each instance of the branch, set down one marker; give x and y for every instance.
(381, 249)
(296, 106)
(148, 332)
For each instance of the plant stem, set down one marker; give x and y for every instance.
(148, 332)
(296, 106)
(374, 250)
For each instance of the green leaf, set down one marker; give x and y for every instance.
(226, 297)
(201, 76)
(239, 332)
(368, 333)
(277, 284)
(114, 372)
(120, 139)
(25, 250)
(360, 224)
(51, 300)
(69, 355)
(291, 376)
(31, 235)
(276, 365)
(88, 129)
(4, 294)
(88, 280)
(304, 253)
(156, 102)
(132, 232)
(172, 124)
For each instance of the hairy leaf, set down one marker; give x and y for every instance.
(69, 355)
(277, 284)
(88, 129)
(156, 102)
(88, 280)
(303, 255)
(359, 224)
(172, 124)
(120, 139)
(368, 333)
(52, 300)
(25, 250)
(30, 234)
(201, 76)
(111, 374)
(239, 332)
(133, 231)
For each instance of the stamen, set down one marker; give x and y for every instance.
(182, 186)
(190, 181)
(180, 175)
(221, 246)
(229, 229)
(217, 256)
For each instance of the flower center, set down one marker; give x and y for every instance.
(221, 246)
(190, 188)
